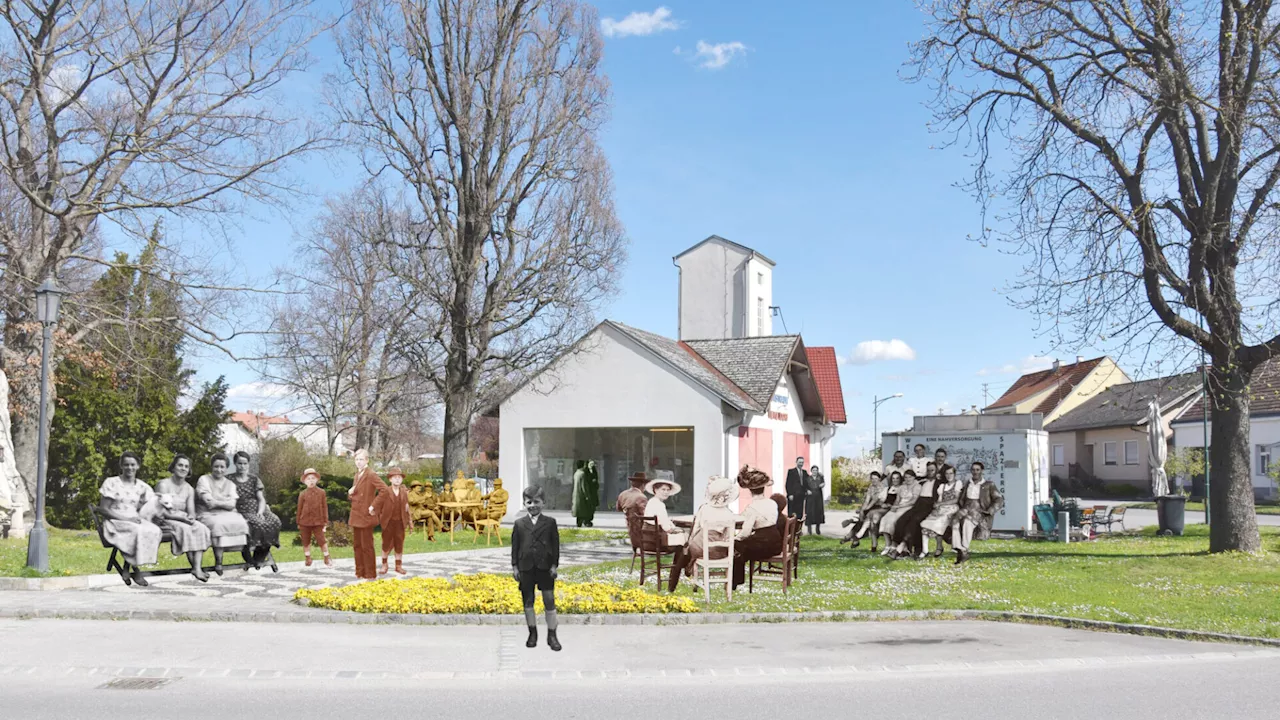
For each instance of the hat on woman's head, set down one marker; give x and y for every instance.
(750, 478)
(720, 487)
(654, 483)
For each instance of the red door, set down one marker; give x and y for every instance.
(755, 448)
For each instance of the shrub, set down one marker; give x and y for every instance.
(487, 595)
(338, 534)
(850, 477)
(280, 465)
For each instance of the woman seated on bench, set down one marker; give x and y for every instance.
(216, 507)
(264, 525)
(127, 506)
(178, 516)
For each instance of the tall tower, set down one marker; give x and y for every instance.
(726, 290)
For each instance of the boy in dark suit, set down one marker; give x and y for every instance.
(535, 560)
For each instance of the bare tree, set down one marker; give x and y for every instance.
(122, 111)
(485, 115)
(1145, 140)
(332, 343)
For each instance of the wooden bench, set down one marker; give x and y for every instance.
(1114, 515)
(117, 564)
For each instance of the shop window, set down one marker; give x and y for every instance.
(1109, 456)
(1059, 455)
(1130, 452)
(553, 454)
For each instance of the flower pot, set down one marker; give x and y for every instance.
(1171, 513)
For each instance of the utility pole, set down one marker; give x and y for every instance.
(985, 400)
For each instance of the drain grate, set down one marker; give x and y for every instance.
(136, 684)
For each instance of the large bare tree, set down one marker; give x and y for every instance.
(1143, 141)
(484, 115)
(123, 110)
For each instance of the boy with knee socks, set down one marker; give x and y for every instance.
(535, 560)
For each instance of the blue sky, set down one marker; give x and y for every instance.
(785, 127)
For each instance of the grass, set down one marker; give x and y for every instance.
(1261, 508)
(79, 552)
(1133, 578)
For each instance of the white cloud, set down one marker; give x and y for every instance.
(869, 351)
(639, 23)
(63, 80)
(260, 396)
(714, 57)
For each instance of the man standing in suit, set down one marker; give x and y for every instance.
(362, 519)
(535, 563)
(797, 479)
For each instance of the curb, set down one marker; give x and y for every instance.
(655, 619)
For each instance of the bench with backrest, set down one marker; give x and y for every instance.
(117, 564)
(1113, 516)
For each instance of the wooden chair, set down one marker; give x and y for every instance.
(652, 550)
(707, 572)
(780, 567)
(634, 534)
(1115, 515)
(489, 529)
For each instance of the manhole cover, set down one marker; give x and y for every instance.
(135, 684)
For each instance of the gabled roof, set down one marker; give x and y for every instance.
(1125, 404)
(1264, 394)
(730, 243)
(826, 372)
(754, 364)
(1061, 381)
(680, 357)
(257, 422)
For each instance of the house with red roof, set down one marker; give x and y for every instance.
(1058, 390)
(724, 393)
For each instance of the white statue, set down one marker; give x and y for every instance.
(13, 494)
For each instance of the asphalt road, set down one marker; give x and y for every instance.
(64, 669)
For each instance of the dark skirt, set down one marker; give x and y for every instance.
(814, 512)
(907, 529)
(763, 543)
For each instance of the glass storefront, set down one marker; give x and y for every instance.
(552, 455)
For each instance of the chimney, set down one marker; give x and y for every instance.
(1056, 364)
(1079, 358)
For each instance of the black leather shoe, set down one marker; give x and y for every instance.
(552, 641)
(138, 579)
(532, 642)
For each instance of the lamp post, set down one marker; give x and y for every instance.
(875, 419)
(1204, 427)
(48, 299)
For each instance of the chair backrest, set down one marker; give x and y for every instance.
(650, 534)
(1100, 509)
(634, 528)
(1117, 513)
(1047, 518)
(96, 513)
(708, 544)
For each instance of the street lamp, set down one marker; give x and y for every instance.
(875, 415)
(48, 300)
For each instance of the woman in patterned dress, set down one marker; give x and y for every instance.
(874, 505)
(264, 526)
(178, 515)
(216, 508)
(128, 505)
(908, 491)
(944, 511)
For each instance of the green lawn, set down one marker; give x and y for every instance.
(79, 552)
(1135, 578)
(1262, 509)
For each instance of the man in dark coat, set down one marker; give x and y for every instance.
(535, 563)
(797, 480)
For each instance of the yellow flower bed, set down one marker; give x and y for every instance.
(487, 595)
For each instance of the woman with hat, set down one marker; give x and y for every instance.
(718, 520)
(759, 538)
(661, 489)
(392, 508)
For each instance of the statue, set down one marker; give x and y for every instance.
(465, 491)
(424, 506)
(496, 502)
(13, 492)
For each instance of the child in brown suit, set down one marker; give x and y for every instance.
(313, 516)
(392, 509)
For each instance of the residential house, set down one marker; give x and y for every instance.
(1264, 427)
(1105, 437)
(1058, 390)
(246, 431)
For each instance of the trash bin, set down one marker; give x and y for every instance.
(1171, 514)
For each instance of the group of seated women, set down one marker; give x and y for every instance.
(759, 538)
(223, 511)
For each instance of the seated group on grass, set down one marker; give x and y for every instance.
(759, 538)
(924, 501)
(222, 511)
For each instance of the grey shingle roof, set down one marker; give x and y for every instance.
(1126, 403)
(690, 364)
(753, 364)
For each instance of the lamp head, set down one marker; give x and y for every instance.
(48, 300)
(896, 395)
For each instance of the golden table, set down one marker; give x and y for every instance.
(455, 513)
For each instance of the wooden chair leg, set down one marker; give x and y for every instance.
(633, 561)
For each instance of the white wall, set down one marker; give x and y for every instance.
(759, 285)
(711, 292)
(611, 382)
(1262, 431)
(819, 452)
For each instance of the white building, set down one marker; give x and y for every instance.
(726, 291)
(634, 401)
(247, 430)
(1264, 428)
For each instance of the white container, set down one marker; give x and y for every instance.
(1013, 448)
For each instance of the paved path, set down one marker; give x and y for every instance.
(881, 670)
(1136, 517)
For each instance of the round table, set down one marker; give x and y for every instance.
(455, 513)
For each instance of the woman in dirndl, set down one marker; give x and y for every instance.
(938, 523)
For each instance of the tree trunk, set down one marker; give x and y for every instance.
(1231, 509)
(457, 421)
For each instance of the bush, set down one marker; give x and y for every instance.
(850, 477)
(338, 534)
(280, 465)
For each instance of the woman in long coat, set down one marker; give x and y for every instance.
(251, 502)
(586, 493)
(178, 515)
(814, 507)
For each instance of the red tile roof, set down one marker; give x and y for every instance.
(1264, 394)
(1062, 381)
(826, 373)
(256, 422)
